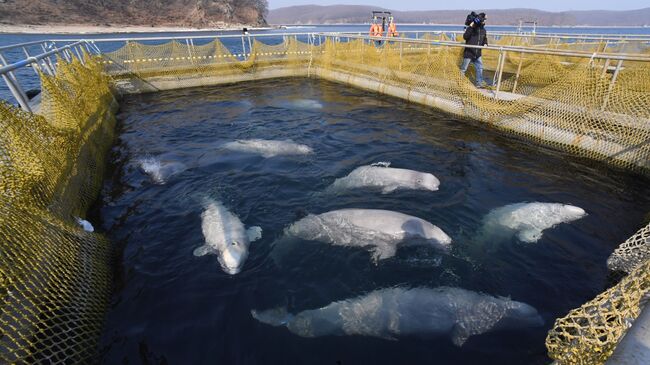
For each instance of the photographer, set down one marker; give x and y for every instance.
(475, 35)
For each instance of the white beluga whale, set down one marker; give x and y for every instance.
(388, 179)
(391, 313)
(382, 230)
(527, 221)
(160, 170)
(268, 148)
(226, 236)
(305, 104)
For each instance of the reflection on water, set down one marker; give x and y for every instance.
(173, 306)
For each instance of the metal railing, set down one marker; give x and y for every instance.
(43, 62)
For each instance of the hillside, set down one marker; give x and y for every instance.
(188, 13)
(337, 14)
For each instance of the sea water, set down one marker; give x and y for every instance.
(170, 306)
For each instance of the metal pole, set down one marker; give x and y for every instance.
(503, 62)
(27, 54)
(611, 84)
(605, 68)
(521, 61)
(16, 93)
(50, 66)
(192, 45)
(494, 78)
(401, 46)
(80, 52)
(250, 44)
(13, 78)
(76, 52)
(189, 50)
(66, 55)
(243, 47)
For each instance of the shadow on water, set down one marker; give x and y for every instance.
(173, 307)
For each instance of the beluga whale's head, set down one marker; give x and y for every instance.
(232, 258)
(520, 315)
(572, 213)
(427, 182)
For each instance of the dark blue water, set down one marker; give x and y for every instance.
(172, 307)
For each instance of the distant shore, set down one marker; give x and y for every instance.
(116, 28)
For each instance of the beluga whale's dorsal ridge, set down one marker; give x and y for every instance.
(225, 236)
(268, 148)
(387, 179)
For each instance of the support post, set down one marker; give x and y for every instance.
(503, 62)
(28, 56)
(605, 68)
(521, 61)
(17, 91)
(496, 69)
(401, 47)
(14, 91)
(243, 47)
(48, 62)
(189, 49)
(76, 52)
(611, 84)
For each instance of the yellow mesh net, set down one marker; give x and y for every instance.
(54, 276)
(589, 334)
(575, 103)
(631, 253)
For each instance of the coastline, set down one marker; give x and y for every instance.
(115, 28)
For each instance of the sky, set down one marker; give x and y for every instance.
(548, 5)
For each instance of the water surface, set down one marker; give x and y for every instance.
(170, 306)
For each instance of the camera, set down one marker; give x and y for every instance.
(470, 18)
(475, 18)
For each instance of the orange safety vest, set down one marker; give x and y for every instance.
(392, 30)
(375, 30)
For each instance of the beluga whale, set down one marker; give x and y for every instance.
(304, 104)
(388, 179)
(159, 171)
(268, 148)
(381, 230)
(395, 312)
(225, 236)
(527, 221)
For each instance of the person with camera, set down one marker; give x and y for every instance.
(475, 35)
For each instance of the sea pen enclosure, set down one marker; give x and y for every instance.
(563, 126)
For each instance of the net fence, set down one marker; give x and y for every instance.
(54, 276)
(594, 108)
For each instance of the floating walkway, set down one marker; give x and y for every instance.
(586, 95)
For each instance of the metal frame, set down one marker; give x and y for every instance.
(74, 48)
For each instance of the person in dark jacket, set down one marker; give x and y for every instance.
(475, 35)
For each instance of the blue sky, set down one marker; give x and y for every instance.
(549, 5)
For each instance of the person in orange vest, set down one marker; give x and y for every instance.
(375, 30)
(392, 29)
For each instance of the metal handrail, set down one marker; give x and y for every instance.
(7, 75)
(550, 52)
(34, 59)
